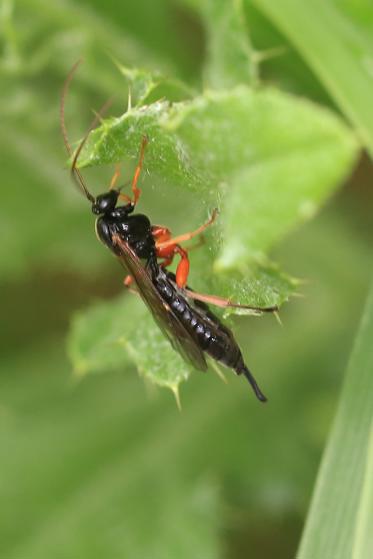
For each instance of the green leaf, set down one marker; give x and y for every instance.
(339, 523)
(339, 49)
(94, 341)
(112, 334)
(153, 355)
(148, 88)
(256, 285)
(249, 284)
(241, 150)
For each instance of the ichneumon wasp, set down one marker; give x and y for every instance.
(146, 251)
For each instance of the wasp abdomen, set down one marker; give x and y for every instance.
(212, 337)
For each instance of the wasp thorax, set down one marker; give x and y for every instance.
(105, 202)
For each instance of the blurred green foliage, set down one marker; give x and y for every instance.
(107, 464)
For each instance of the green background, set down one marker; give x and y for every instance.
(106, 465)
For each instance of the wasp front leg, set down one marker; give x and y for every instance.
(135, 189)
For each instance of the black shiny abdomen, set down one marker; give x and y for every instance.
(211, 335)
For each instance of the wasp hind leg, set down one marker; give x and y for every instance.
(224, 303)
(128, 282)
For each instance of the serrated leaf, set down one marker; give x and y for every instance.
(112, 334)
(242, 150)
(145, 88)
(94, 340)
(258, 286)
(248, 284)
(153, 354)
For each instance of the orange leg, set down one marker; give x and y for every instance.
(125, 198)
(114, 181)
(115, 177)
(167, 262)
(161, 233)
(167, 248)
(136, 191)
(187, 236)
(222, 302)
(182, 270)
(128, 281)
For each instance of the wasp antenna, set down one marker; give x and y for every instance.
(65, 90)
(93, 124)
(75, 173)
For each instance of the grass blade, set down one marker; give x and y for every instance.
(341, 514)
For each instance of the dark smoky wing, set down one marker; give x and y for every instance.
(170, 325)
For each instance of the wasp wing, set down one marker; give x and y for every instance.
(179, 337)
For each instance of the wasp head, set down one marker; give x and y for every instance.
(105, 203)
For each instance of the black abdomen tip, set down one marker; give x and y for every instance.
(258, 393)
